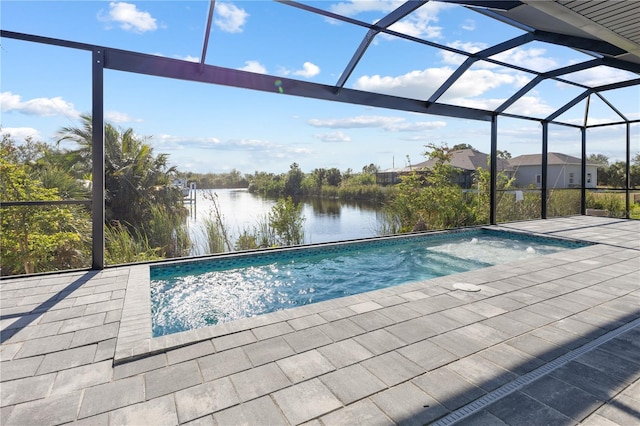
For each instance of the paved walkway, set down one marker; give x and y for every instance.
(550, 341)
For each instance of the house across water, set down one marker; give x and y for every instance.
(564, 171)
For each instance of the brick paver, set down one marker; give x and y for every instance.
(76, 347)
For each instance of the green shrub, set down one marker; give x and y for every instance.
(612, 202)
(262, 235)
(287, 221)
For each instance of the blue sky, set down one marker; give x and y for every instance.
(206, 128)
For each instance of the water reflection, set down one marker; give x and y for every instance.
(325, 207)
(236, 193)
(326, 220)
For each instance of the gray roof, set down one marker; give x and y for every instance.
(470, 159)
(467, 159)
(553, 158)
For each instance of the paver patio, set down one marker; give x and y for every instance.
(555, 340)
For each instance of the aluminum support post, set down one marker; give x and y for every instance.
(493, 196)
(543, 172)
(97, 158)
(583, 172)
(627, 180)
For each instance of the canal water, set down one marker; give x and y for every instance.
(325, 220)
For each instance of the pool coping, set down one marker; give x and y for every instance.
(135, 338)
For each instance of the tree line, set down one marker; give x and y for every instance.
(613, 174)
(231, 179)
(320, 182)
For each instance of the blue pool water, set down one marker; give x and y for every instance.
(193, 294)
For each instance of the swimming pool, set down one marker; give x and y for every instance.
(194, 294)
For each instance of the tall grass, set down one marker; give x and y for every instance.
(353, 191)
(510, 209)
(283, 226)
(215, 227)
(262, 235)
(123, 247)
(213, 235)
(388, 223)
(563, 202)
(168, 232)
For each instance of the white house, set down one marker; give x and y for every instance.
(564, 171)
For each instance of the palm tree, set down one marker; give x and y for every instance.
(77, 161)
(135, 178)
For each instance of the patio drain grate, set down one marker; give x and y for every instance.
(501, 392)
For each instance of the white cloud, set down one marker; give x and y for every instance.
(521, 79)
(417, 29)
(258, 146)
(230, 18)
(532, 58)
(415, 84)
(355, 7)
(598, 76)
(129, 17)
(283, 71)
(299, 150)
(44, 107)
(393, 124)
(179, 143)
(527, 130)
(9, 101)
(451, 58)
(119, 117)
(532, 106)
(187, 58)
(468, 25)
(250, 144)
(419, 23)
(478, 103)
(308, 70)
(594, 121)
(21, 133)
(418, 127)
(333, 137)
(211, 154)
(254, 66)
(421, 84)
(466, 91)
(476, 82)
(362, 121)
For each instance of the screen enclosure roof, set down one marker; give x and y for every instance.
(603, 38)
